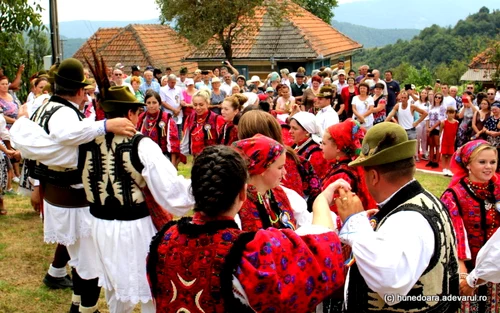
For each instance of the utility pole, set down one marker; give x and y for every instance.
(54, 33)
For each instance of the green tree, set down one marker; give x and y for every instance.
(18, 17)
(321, 8)
(224, 23)
(493, 54)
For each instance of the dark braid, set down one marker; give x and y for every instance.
(219, 173)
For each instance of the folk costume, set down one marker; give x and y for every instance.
(309, 148)
(347, 136)
(51, 140)
(162, 129)
(209, 265)
(474, 212)
(271, 209)
(119, 175)
(408, 249)
(200, 132)
(229, 134)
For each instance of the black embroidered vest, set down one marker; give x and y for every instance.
(55, 175)
(439, 279)
(112, 177)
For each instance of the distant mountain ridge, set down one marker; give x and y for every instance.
(374, 37)
(75, 33)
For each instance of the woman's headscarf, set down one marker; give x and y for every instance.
(461, 159)
(307, 121)
(348, 136)
(260, 151)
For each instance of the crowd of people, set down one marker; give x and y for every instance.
(302, 187)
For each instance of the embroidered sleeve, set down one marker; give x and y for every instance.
(284, 272)
(173, 143)
(458, 225)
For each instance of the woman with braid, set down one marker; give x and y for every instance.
(207, 264)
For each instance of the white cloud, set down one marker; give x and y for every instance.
(102, 10)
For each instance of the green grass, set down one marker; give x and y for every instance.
(434, 183)
(25, 258)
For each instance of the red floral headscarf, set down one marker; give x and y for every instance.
(348, 136)
(461, 159)
(260, 151)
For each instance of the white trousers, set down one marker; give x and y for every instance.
(422, 138)
(117, 306)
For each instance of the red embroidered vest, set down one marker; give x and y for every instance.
(156, 132)
(255, 216)
(201, 135)
(479, 223)
(195, 256)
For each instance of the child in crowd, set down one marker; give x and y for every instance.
(449, 128)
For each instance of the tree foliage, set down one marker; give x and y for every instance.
(321, 8)
(227, 21)
(21, 30)
(493, 55)
(445, 51)
(19, 16)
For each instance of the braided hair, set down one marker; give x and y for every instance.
(219, 173)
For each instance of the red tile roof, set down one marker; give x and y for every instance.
(143, 45)
(301, 35)
(481, 60)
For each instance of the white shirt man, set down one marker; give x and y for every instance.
(448, 101)
(376, 79)
(341, 82)
(171, 98)
(228, 84)
(326, 116)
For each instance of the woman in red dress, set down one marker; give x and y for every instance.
(341, 144)
(231, 108)
(159, 126)
(473, 200)
(300, 175)
(202, 128)
(267, 204)
(207, 264)
(306, 141)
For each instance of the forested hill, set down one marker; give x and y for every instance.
(437, 46)
(374, 37)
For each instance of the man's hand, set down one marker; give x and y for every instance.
(331, 190)
(465, 289)
(347, 204)
(120, 126)
(36, 202)
(21, 68)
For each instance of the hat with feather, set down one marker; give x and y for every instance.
(112, 98)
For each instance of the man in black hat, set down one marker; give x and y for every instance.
(51, 140)
(205, 81)
(136, 71)
(181, 80)
(121, 198)
(326, 115)
(298, 87)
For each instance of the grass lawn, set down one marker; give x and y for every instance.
(24, 258)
